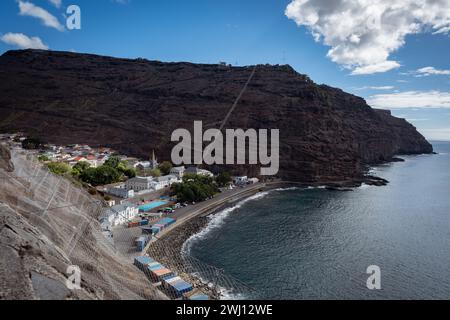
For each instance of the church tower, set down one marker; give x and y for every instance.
(153, 161)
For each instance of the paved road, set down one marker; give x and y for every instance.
(226, 195)
(184, 214)
(124, 237)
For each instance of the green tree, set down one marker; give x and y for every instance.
(165, 167)
(223, 179)
(43, 158)
(59, 168)
(100, 176)
(79, 168)
(126, 169)
(129, 172)
(113, 162)
(154, 173)
(195, 188)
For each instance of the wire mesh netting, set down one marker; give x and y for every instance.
(68, 217)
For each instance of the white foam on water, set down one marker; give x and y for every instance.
(318, 187)
(217, 220)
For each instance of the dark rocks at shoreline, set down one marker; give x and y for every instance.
(133, 106)
(375, 181)
(339, 189)
(396, 159)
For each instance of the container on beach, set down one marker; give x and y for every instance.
(162, 273)
(141, 242)
(180, 287)
(154, 266)
(155, 230)
(166, 222)
(147, 230)
(199, 297)
(142, 262)
(133, 224)
(160, 226)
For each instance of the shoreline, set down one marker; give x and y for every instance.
(169, 248)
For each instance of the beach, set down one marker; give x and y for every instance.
(167, 247)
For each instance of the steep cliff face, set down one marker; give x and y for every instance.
(134, 105)
(47, 225)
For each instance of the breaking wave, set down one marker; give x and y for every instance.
(217, 220)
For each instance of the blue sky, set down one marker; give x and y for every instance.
(399, 61)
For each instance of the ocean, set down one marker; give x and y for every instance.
(318, 244)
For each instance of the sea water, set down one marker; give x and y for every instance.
(317, 244)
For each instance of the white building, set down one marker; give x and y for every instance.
(164, 182)
(178, 171)
(142, 165)
(202, 172)
(240, 180)
(119, 214)
(121, 191)
(139, 184)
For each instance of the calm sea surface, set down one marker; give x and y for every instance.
(317, 244)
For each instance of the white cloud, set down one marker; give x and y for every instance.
(430, 71)
(411, 99)
(23, 42)
(376, 88)
(56, 3)
(363, 34)
(49, 20)
(375, 68)
(417, 119)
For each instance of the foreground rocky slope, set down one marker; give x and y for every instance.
(47, 225)
(326, 134)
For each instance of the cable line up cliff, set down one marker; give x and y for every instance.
(326, 135)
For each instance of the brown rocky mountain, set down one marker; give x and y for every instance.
(326, 135)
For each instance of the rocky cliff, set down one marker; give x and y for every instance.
(47, 225)
(326, 135)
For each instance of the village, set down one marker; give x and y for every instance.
(135, 201)
(148, 200)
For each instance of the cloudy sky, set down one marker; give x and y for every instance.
(394, 53)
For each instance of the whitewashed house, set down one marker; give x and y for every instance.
(253, 180)
(240, 180)
(195, 170)
(142, 165)
(119, 214)
(164, 182)
(139, 184)
(121, 191)
(178, 171)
